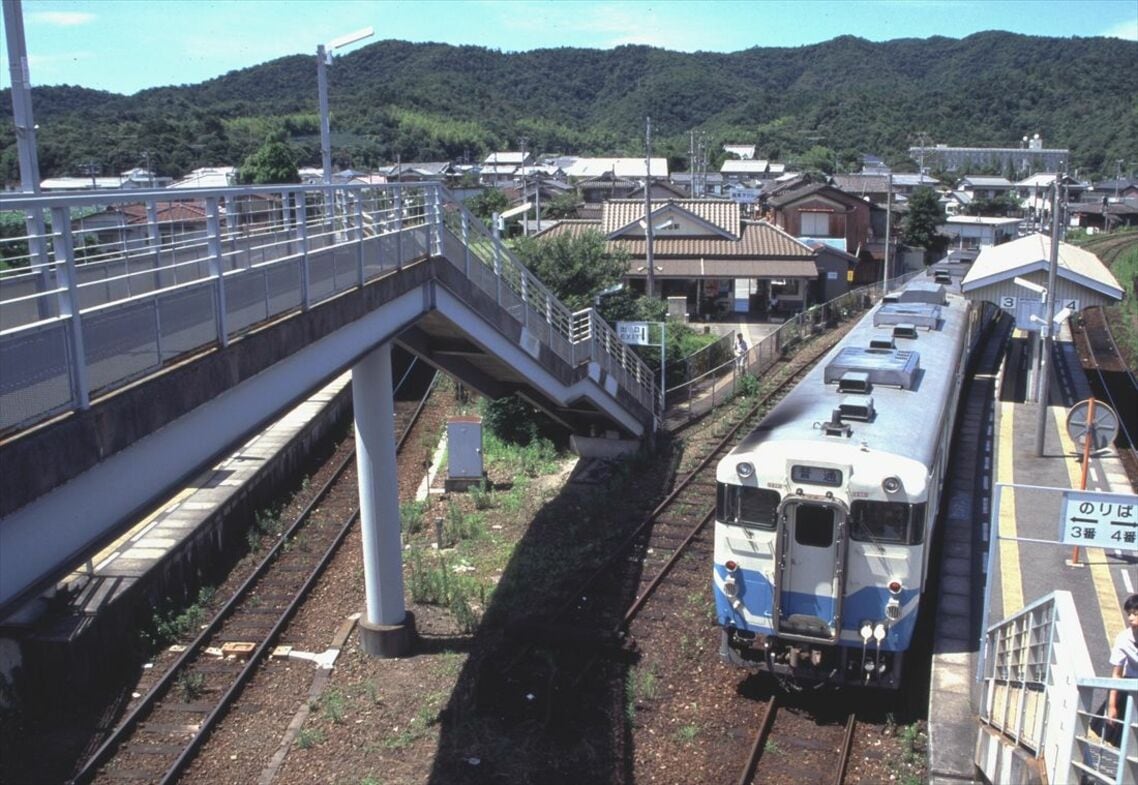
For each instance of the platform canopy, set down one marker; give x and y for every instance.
(1082, 280)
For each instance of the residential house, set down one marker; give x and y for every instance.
(707, 183)
(744, 152)
(132, 179)
(871, 186)
(126, 227)
(969, 232)
(904, 183)
(986, 187)
(706, 251)
(1035, 192)
(208, 177)
(623, 168)
(418, 172)
(1105, 214)
(836, 270)
(819, 211)
(1117, 188)
(735, 171)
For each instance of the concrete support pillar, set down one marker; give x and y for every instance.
(387, 629)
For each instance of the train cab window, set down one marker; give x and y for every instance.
(747, 506)
(893, 522)
(814, 525)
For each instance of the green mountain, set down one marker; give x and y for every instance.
(822, 103)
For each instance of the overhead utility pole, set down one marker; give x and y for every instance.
(1049, 314)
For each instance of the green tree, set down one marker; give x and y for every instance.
(923, 222)
(273, 162)
(1001, 206)
(577, 268)
(563, 206)
(490, 201)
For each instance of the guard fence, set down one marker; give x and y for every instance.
(105, 288)
(715, 383)
(1038, 694)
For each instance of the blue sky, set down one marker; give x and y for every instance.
(128, 45)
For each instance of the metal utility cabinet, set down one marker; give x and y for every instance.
(464, 453)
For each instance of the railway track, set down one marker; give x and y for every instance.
(784, 732)
(1112, 382)
(639, 600)
(164, 729)
(675, 528)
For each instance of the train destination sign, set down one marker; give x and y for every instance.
(1105, 520)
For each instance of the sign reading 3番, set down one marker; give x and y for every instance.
(1105, 520)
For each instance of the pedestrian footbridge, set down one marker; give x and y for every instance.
(144, 332)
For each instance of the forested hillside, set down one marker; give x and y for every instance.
(823, 104)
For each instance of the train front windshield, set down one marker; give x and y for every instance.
(892, 522)
(746, 506)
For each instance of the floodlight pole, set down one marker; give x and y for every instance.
(325, 131)
(323, 60)
(1045, 356)
(650, 285)
(26, 143)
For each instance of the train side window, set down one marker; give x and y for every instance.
(880, 521)
(917, 530)
(747, 506)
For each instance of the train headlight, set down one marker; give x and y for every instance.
(744, 469)
(891, 484)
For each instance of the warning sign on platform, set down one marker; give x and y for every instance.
(1104, 520)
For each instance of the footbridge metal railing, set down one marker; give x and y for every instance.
(1039, 695)
(100, 289)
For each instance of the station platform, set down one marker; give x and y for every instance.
(1004, 439)
(66, 637)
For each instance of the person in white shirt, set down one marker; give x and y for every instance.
(1124, 661)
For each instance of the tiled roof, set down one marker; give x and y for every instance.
(619, 213)
(861, 183)
(177, 212)
(703, 267)
(826, 191)
(760, 240)
(987, 182)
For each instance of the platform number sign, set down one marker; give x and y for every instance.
(1008, 303)
(1104, 520)
(1070, 305)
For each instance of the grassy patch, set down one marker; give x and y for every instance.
(309, 737)
(174, 625)
(640, 686)
(426, 717)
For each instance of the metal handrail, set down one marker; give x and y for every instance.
(277, 247)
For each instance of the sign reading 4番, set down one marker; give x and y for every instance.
(1105, 520)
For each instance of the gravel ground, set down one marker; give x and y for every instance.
(462, 709)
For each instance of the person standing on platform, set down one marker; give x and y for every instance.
(740, 353)
(1124, 661)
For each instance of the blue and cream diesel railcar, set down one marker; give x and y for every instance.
(825, 512)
